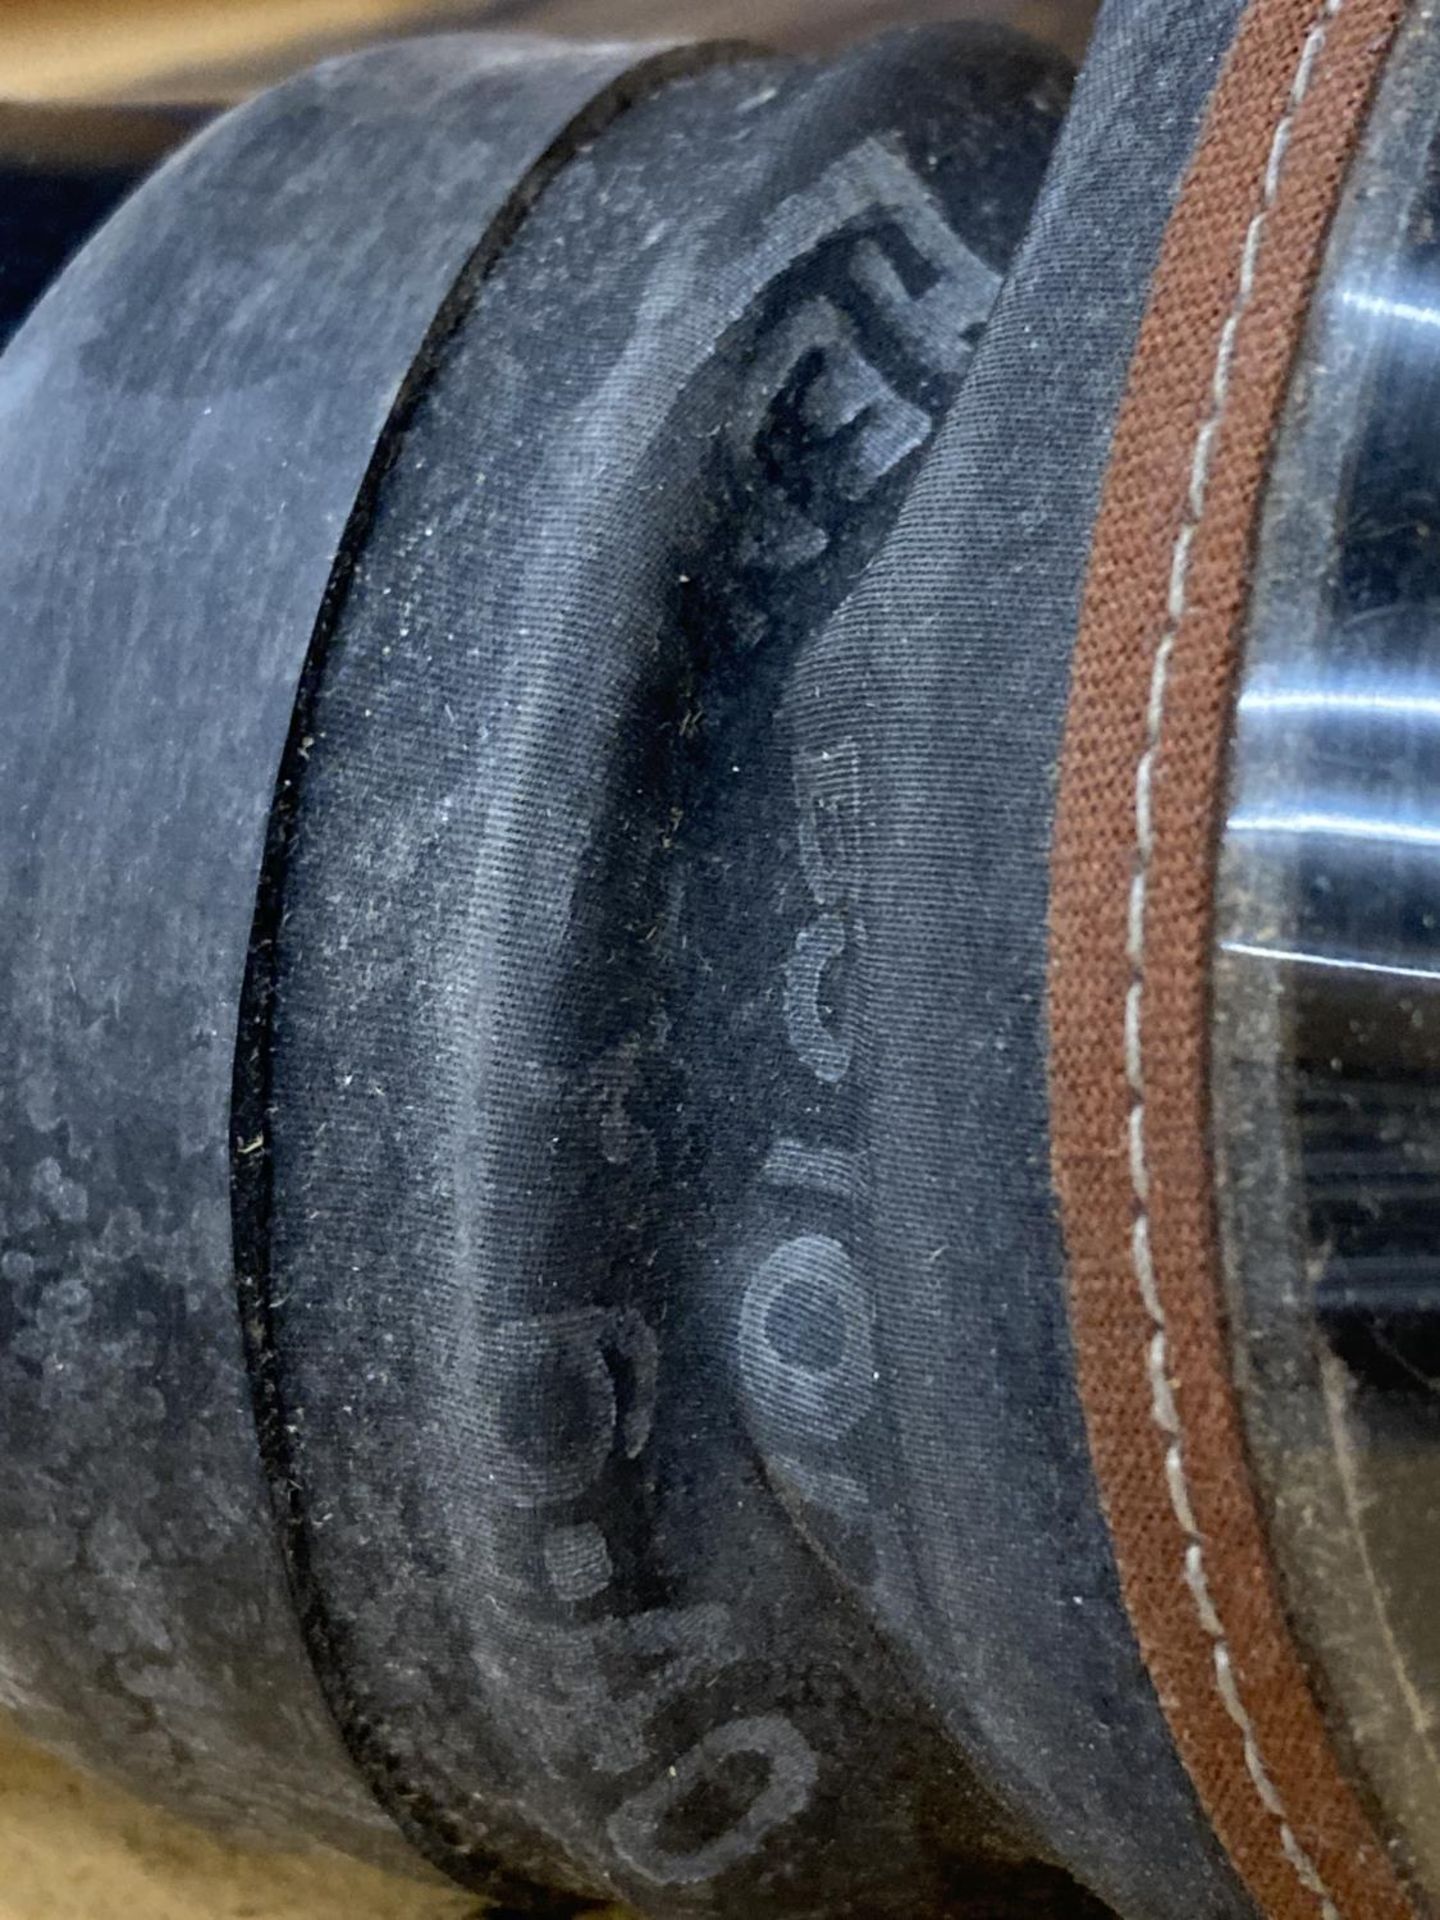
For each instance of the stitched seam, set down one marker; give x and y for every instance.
(1163, 1403)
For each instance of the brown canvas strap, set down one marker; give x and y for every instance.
(1134, 860)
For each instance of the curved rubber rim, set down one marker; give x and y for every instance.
(185, 424)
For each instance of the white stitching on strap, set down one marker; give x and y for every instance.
(1162, 1388)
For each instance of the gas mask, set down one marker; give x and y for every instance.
(722, 911)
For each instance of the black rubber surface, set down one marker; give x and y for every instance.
(185, 423)
(562, 1312)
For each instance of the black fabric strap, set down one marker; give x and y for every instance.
(956, 654)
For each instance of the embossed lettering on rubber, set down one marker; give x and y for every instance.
(567, 1321)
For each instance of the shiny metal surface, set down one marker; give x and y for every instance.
(1327, 981)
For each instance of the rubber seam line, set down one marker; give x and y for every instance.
(1164, 1405)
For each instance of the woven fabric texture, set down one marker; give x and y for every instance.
(1133, 866)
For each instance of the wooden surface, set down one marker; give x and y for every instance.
(73, 1849)
(98, 49)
